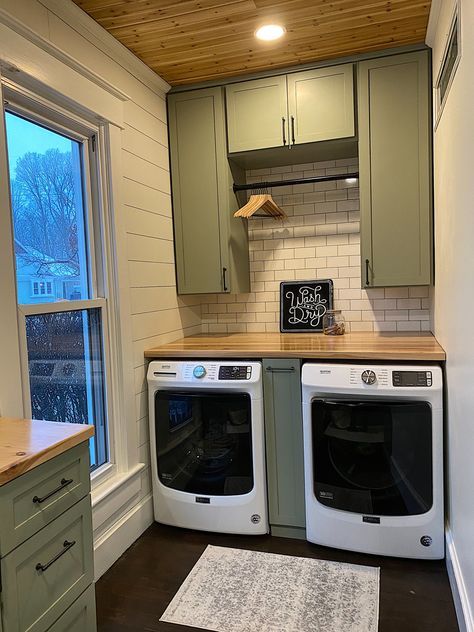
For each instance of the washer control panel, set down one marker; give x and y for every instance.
(235, 372)
(412, 378)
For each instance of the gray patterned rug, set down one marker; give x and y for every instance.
(234, 590)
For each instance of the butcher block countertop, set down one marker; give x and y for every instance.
(352, 346)
(26, 443)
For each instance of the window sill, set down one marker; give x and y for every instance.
(114, 493)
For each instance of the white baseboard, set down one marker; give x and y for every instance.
(458, 587)
(114, 542)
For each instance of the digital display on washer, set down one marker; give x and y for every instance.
(412, 378)
(236, 372)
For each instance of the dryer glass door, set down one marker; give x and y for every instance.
(373, 458)
(204, 442)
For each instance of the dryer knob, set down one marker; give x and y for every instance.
(369, 377)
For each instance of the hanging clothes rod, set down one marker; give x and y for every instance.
(284, 183)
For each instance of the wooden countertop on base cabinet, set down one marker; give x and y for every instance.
(26, 443)
(352, 346)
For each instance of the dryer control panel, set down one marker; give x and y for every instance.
(412, 378)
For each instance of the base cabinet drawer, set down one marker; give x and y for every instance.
(44, 576)
(80, 617)
(38, 497)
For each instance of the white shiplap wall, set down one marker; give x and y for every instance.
(158, 315)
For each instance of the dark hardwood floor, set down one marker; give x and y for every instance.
(414, 597)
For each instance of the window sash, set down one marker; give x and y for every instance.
(97, 251)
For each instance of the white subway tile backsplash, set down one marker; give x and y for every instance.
(320, 239)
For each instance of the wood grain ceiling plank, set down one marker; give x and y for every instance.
(166, 39)
(313, 49)
(190, 47)
(196, 40)
(246, 20)
(219, 73)
(144, 13)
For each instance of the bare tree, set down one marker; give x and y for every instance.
(44, 210)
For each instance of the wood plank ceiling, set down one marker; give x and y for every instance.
(190, 41)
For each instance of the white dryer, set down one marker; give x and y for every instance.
(374, 458)
(207, 445)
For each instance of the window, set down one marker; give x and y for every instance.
(449, 63)
(59, 271)
(41, 288)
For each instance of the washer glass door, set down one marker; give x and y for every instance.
(204, 442)
(373, 458)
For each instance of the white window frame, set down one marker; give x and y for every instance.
(455, 24)
(102, 269)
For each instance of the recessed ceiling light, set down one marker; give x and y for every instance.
(270, 32)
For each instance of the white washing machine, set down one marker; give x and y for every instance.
(373, 442)
(207, 445)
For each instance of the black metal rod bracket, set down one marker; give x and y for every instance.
(284, 183)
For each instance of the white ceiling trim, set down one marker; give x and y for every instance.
(435, 11)
(47, 46)
(81, 22)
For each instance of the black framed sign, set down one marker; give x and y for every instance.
(303, 305)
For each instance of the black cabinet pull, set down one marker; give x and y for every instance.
(64, 483)
(66, 546)
(292, 130)
(278, 369)
(224, 279)
(283, 122)
(367, 282)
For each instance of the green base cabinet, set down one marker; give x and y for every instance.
(284, 447)
(395, 170)
(46, 548)
(80, 617)
(211, 246)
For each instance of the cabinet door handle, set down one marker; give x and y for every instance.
(292, 130)
(66, 546)
(278, 369)
(283, 131)
(367, 281)
(224, 279)
(64, 483)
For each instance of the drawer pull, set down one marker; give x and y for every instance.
(64, 483)
(277, 369)
(44, 567)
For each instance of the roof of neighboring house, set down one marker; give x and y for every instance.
(45, 265)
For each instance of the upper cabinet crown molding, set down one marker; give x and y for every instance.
(289, 110)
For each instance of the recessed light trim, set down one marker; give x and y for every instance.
(270, 32)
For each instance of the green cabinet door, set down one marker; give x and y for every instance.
(211, 247)
(321, 104)
(395, 170)
(257, 114)
(284, 447)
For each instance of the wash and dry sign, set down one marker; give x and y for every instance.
(303, 305)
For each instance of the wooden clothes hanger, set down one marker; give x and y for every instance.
(263, 202)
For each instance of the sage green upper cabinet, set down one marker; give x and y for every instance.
(321, 104)
(211, 246)
(395, 170)
(294, 109)
(257, 114)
